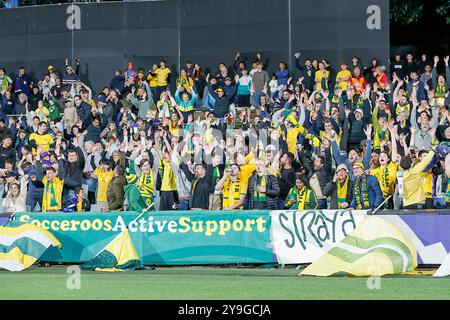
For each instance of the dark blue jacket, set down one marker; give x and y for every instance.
(282, 76)
(118, 82)
(84, 112)
(21, 85)
(8, 105)
(374, 192)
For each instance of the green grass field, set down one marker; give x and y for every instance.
(202, 283)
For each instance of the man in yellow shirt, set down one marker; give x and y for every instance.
(321, 77)
(152, 79)
(234, 190)
(41, 138)
(169, 194)
(104, 175)
(343, 77)
(162, 78)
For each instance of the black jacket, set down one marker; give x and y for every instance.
(7, 153)
(73, 175)
(199, 195)
(222, 104)
(286, 181)
(84, 112)
(272, 191)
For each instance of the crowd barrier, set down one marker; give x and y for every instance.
(218, 237)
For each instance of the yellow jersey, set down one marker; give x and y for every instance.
(344, 74)
(319, 76)
(152, 81)
(386, 178)
(161, 76)
(42, 140)
(104, 177)
(232, 192)
(168, 182)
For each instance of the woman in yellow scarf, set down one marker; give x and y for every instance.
(386, 173)
(301, 197)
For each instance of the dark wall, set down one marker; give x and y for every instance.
(206, 31)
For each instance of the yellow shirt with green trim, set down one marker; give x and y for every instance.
(103, 179)
(343, 74)
(232, 192)
(161, 76)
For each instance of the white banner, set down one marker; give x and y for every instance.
(303, 236)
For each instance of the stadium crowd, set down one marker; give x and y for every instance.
(319, 136)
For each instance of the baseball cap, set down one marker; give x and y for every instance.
(341, 166)
(9, 174)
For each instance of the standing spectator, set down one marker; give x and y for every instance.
(322, 77)
(7, 151)
(260, 81)
(398, 67)
(72, 170)
(104, 175)
(118, 82)
(22, 83)
(308, 72)
(199, 195)
(53, 188)
(71, 75)
(222, 101)
(301, 197)
(144, 100)
(413, 193)
(358, 81)
(441, 84)
(130, 73)
(115, 193)
(263, 188)
(410, 64)
(5, 81)
(163, 77)
(344, 77)
(366, 190)
(41, 138)
(15, 200)
(286, 180)
(185, 104)
(233, 189)
(282, 74)
(83, 109)
(340, 188)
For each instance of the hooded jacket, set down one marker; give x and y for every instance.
(221, 104)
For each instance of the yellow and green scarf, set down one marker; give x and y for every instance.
(358, 191)
(342, 192)
(257, 196)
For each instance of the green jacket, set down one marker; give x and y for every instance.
(54, 110)
(136, 201)
(310, 201)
